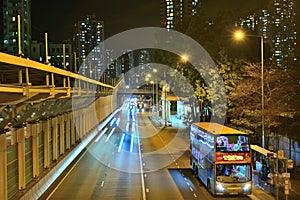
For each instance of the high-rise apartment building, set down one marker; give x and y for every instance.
(59, 54)
(283, 32)
(11, 10)
(1, 27)
(88, 34)
(277, 25)
(176, 14)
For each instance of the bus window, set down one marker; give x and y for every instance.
(232, 143)
(229, 173)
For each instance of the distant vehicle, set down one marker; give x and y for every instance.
(221, 158)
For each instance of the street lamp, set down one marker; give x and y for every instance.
(152, 82)
(184, 58)
(239, 35)
(156, 87)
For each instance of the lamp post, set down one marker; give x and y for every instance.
(152, 82)
(156, 87)
(239, 35)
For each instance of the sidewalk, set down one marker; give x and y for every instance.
(265, 191)
(261, 189)
(295, 186)
(173, 121)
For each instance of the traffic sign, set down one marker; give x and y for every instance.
(286, 175)
(290, 164)
(286, 186)
(280, 154)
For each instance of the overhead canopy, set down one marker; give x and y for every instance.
(260, 150)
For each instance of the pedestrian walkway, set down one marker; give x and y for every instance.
(173, 121)
(264, 190)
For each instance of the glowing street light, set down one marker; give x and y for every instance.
(240, 35)
(184, 58)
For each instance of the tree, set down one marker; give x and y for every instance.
(247, 98)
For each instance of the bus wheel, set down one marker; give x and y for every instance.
(193, 168)
(209, 186)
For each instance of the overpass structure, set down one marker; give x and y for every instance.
(47, 116)
(46, 113)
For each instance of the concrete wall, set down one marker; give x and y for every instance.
(61, 139)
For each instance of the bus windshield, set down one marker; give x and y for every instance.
(231, 173)
(232, 143)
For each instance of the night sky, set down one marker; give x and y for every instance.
(58, 17)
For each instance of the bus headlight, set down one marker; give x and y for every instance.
(220, 188)
(247, 187)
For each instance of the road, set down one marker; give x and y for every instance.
(131, 159)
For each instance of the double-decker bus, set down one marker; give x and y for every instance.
(221, 159)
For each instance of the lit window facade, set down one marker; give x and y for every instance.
(175, 14)
(88, 34)
(277, 25)
(283, 32)
(11, 9)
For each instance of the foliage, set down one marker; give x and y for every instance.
(247, 98)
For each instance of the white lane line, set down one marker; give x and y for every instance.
(102, 133)
(118, 121)
(121, 142)
(102, 183)
(127, 127)
(131, 143)
(111, 132)
(141, 167)
(112, 121)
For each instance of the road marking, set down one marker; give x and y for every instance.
(112, 121)
(118, 121)
(141, 167)
(121, 142)
(111, 132)
(131, 143)
(101, 134)
(253, 197)
(102, 183)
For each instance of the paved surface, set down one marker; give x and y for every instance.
(268, 191)
(262, 189)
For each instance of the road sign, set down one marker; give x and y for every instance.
(286, 175)
(290, 164)
(286, 186)
(280, 154)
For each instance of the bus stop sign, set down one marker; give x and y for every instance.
(280, 154)
(290, 164)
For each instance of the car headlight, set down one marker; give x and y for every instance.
(220, 188)
(247, 187)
